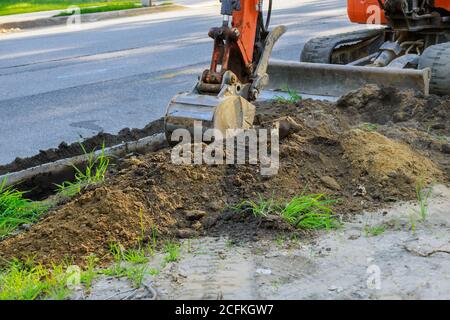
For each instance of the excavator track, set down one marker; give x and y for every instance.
(437, 58)
(351, 46)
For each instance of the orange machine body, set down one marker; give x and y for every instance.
(369, 11)
(365, 11)
(246, 21)
(234, 51)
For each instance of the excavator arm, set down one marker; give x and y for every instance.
(238, 72)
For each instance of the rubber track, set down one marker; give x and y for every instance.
(437, 58)
(319, 50)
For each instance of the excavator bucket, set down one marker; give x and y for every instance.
(332, 81)
(222, 113)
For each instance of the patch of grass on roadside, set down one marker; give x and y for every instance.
(94, 172)
(129, 263)
(293, 97)
(135, 256)
(259, 208)
(310, 211)
(423, 194)
(8, 7)
(306, 211)
(89, 274)
(173, 251)
(374, 231)
(16, 210)
(105, 7)
(29, 281)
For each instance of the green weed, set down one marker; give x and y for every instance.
(173, 252)
(136, 274)
(260, 208)
(94, 172)
(135, 256)
(306, 211)
(293, 97)
(374, 230)
(129, 263)
(423, 194)
(15, 210)
(370, 127)
(310, 211)
(90, 273)
(27, 281)
(8, 7)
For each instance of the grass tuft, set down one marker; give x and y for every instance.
(94, 173)
(15, 210)
(260, 208)
(129, 263)
(306, 211)
(310, 211)
(27, 281)
(369, 127)
(423, 194)
(135, 256)
(293, 97)
(88, 275)
(173, 252)
(374, 230)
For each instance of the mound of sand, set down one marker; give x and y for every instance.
(384, 160)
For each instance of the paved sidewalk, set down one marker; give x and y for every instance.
(29, 16)
(36, 21)
(47, 18)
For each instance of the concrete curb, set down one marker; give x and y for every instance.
(49, 174)
(90, 17)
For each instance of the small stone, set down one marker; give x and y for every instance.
(197, 225)
(332, 288)
(335, 289)
(26, 227)
(186, 233)
(193, 215)
(264, 271)
(360, 191)
(330, 183)
(392, 174)
(215, 205)
(354, 237)
(446, 148)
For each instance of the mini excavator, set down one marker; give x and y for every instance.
(410, 49)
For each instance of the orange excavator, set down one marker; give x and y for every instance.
(410, 49)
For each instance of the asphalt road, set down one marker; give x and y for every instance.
(63, 84)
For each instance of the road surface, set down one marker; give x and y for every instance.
(64, 84)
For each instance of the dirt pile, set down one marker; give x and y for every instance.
(103, 215)
(389, 105)
(385, 161)
(329, 150)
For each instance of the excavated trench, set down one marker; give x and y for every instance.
(368, 150)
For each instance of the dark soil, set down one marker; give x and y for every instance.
(326, 148)
(65, 150)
